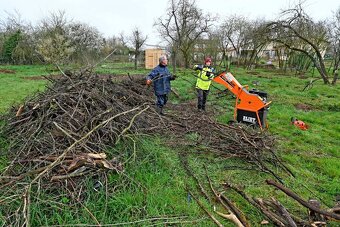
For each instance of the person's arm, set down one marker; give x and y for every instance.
(152, 74)
(198, 67)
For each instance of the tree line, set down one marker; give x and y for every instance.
(58, 40)
(296, 41)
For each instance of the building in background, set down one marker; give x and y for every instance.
(152, 56)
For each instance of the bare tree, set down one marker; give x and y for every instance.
(55, 23)
(122, 38)
(53, 44)
(115, 43)
(334, 34)
(16, 42)
(235, 29)
(209, 46)
(137, 39)
(298, 32)
(12, 23)
(60, 39)
(124, 41)
(86, 41)
(182, 25)
(255, 42)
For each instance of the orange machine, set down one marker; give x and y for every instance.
(251, 107)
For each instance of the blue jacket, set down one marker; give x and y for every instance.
(160, 77)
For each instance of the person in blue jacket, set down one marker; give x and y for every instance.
(160, 77)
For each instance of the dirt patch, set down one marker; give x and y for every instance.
(262, 76)
(7, 71)
(253, 72)
(304, 107)
(34, 78)
(303, 76)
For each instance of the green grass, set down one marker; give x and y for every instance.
(312, 155)
(15, 87)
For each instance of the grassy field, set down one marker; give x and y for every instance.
(154, 184)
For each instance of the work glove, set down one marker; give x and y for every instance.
(148, 82)
(198, 67)
(210, 75)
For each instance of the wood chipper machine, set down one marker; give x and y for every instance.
(251, 106)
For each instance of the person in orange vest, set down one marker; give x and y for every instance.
(205, 73)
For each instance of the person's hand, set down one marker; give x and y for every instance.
(148, 82)
(198, 67)
(173, 77)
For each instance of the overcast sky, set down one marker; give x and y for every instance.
(114, 16)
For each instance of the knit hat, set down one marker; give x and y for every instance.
(207, 60)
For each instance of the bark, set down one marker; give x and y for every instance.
(301, 201)
(336, 75)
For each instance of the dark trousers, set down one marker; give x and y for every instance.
(201, 98)
(161, 100)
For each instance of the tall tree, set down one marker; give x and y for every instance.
(183, 24)
(298, 32)
(86, 41)
(16, 39)
(334, 35)
(137, 40)
(9, 46)
(255, 42)
(235, 30)
(53, 44)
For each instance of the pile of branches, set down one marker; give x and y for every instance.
(226, 141)
(65, 131)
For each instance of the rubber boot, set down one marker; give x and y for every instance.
(159, 110)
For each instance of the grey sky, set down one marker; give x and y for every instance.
(115, 16)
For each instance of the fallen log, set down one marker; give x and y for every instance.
(264, 211)
(232, 217)
(301, 201)
(284, 212)
(239, 219)
(212, 217)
